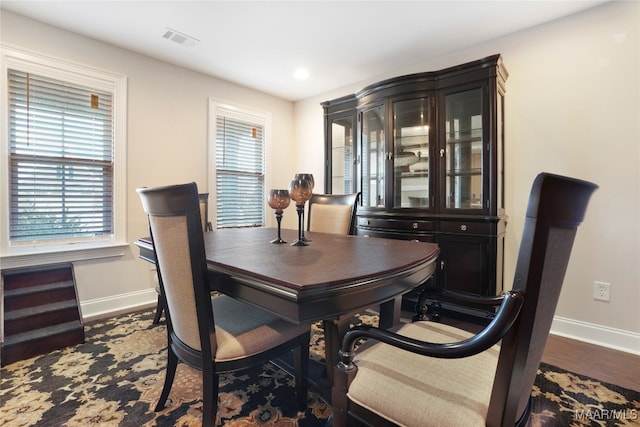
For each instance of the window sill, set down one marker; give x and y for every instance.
(59, 254)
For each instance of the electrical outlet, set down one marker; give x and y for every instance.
(602, 291)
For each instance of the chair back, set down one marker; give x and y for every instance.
(203, 198)
(333, 213)
(175, 223)
(556, 207)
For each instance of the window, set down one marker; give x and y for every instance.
(239, 167)
(65, 166)
(60, 159)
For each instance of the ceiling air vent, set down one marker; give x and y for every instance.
(180, 38)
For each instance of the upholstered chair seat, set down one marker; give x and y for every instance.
(418, 379)
(243, 331)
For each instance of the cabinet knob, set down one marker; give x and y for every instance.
(463, 227)
(415, 225)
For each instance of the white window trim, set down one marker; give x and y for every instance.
(240, 113)
(22, 255)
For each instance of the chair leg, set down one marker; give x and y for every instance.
(159, 309)
(301, 366)
(209, 396)
(172, 364)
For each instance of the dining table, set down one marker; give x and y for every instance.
(328, 280)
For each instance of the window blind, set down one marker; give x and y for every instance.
(239, 173)
(60, 159)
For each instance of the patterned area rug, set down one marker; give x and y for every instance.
(115, 378)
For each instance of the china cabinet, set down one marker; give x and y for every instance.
(426, 151)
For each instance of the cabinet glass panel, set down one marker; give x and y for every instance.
(373, 157)
(342, 156)
(464, 153)
(411, 119)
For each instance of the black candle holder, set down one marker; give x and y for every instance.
(300, 241)
(279, 219)
(300, 192)
(279, 200)
(309, 178)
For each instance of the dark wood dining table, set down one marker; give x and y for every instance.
(332, 278)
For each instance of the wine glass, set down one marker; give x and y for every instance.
(300, 192)
(279, 200)
(307, 177)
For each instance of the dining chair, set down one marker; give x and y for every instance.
(333, 213)
(203, 201)
(428, 373)
(218, 334)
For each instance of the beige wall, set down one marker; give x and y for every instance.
(572, 108)
(167, 142)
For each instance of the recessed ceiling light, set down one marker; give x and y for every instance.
(620, 37)
(301, 74)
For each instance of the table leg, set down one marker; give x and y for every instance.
(334, 331)
(390, 313)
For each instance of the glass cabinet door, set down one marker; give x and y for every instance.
(464, 154)
(411, 122)
(373, 157)
(342, 155)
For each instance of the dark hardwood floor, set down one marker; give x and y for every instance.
(604, 364)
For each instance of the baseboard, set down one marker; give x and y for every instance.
(604, 336)
(116, 304)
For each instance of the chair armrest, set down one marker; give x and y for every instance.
(511, 303)
(464, 297)
(424, 312)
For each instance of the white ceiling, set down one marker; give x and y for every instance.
(259, 44)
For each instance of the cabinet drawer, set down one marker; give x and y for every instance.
(395, 235)
(461, 227)
(397, 224)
